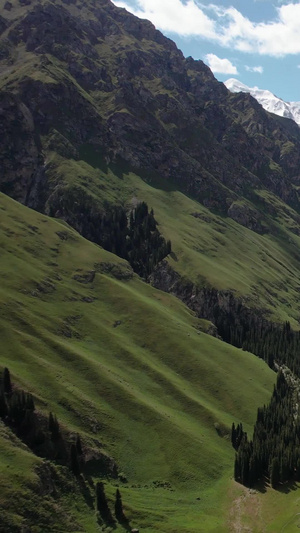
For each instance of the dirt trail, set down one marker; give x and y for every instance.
(246, 509)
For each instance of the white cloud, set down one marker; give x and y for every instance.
(226, 26)
(222, 66)
(259, 70)
(174, 16)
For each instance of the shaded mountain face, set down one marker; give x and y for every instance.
(87, 81)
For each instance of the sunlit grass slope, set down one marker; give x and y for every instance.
(217, 251)
(209, 249)
(127, 367)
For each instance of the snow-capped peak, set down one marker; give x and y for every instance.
(268, 100)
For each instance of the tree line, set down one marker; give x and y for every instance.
(274, 452)
(271, 342)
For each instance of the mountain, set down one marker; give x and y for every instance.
(268, 100)
(127, 367)
(113, 145)
(100, 110)
(139, 102)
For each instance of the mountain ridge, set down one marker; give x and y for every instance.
(267, 99)
(183, 112)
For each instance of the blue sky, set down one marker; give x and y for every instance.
(255, 41)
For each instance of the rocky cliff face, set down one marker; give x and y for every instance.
(77, 74)
(206, 302)
(233, 317)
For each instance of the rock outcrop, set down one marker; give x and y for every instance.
(228, 311)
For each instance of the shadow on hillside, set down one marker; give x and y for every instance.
(284, 488)
(94, 157)
(86, 492)
(107, 524)
(261, 486)
(125, 524)
(288, 487)
(152, 178)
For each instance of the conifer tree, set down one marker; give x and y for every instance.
(27, 425)
(50, 422)
(29, 402)
(75, 467)
(54, 427)
(3, 405)
(102, 505)
(274, 451)
(78, 445)
(6, 381)
(233, 435)
(275, 473)
(119, 513)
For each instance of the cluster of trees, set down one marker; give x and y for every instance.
(43, 437)
(103, 507)
(271, 342)
(16, 407)
(275, 343)
(146, 246)
(274, 451)
(137, 239)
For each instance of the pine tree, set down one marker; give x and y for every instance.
(30, 402)
(78, 445)
(233, 436)
(6, 381)
(237, 468)
(75, 467)
(28, 424)
(102, 505)
(54, 427)
(51, 422)
(17, 407)
(3, 405)
(119, 513)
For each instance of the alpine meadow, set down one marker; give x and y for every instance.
(149, 296)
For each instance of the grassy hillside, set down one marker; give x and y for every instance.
(209, 249)
(128, 368)
(98, 109)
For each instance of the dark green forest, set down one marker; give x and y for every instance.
(270, 341)
(273, 455)
(136, 239)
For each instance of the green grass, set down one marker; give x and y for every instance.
(208, 249)
(130, 369)
(271, 511)
(229, 256)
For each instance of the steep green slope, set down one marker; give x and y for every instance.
(125, 365)
(210, 250)
(103, 111)
(215, 251)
